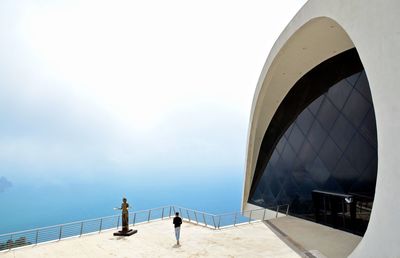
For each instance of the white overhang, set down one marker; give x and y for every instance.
(320, 30)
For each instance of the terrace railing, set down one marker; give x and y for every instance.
(76, 229)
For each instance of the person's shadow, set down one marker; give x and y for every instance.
(176, 246)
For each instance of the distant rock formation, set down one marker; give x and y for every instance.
(14, 244)
(4, 184)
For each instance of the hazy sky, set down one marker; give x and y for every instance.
(94, 87)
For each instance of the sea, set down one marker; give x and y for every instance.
(27, 205)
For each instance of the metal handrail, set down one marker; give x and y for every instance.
(183, 208)
(80, 221)
(57, 232)
(232, 213)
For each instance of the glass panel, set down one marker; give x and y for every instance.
(330, 154)
(342, 131)
(327, 114)
(296, 138)
(338, 94)
(281, 145)
(314, 107)
(345, 173)
(317, 135)
(363, 87)
(318, 172)
(305, 121)
(360, 152)
(356, 108)
(353, 79)
(368, 128)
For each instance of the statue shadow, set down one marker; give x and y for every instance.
(123, 238)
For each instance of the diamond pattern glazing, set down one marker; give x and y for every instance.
(330, 146)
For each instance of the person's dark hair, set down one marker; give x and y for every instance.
(177, 213)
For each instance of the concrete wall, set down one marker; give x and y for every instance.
(320, 30)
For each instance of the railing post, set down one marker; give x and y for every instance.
(81, 229)
(343, 215)
(215, 227)
(180, 212)
(219, 221)
(37, 236)
(287, 210)
(162, 214)
(234, 221)
(59, 237)
(118, 222)
(170, 211)
(101, 224)
(250, 217)
(277, 211)
(264, 214)
(195, 215)
(187, 212)
(204, 218)
(173, 207)
(148, 218)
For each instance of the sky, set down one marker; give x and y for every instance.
(163, 89)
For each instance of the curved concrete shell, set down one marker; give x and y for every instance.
(319, 31)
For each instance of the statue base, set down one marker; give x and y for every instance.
(130, 232)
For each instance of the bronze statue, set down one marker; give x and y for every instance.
(125, 220)
(125, 215)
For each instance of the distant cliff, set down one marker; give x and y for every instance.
(4, 184)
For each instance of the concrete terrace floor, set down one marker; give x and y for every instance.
(156, 239)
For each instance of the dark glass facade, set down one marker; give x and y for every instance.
(319, 153)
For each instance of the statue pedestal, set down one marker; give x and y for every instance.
(130, 232)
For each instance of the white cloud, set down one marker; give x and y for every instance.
(128, 83)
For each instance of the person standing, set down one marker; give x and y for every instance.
(177, 224)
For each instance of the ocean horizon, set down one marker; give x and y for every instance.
(28, 206)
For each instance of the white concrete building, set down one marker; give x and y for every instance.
(324, 128)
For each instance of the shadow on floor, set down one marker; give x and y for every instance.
(311, 239)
